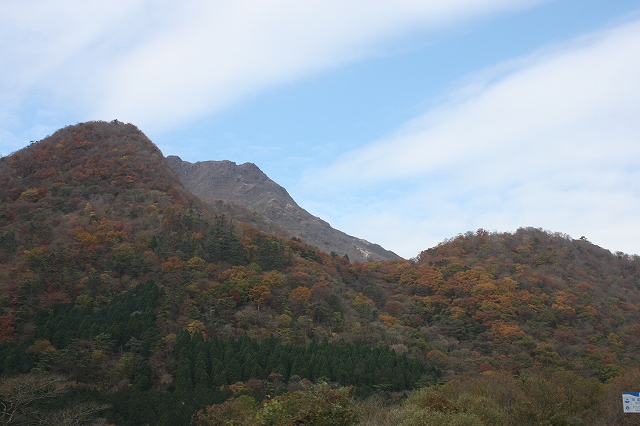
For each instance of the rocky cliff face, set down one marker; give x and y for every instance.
(247, 185)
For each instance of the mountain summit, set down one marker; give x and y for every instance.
(247, 185)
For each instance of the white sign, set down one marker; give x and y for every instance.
(631, 402)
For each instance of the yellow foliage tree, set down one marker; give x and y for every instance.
(196, 263)
(272, 279)
(300, 294)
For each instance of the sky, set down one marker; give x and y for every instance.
(401, 122)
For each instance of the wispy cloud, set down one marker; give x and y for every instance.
(549, 140)
(53, 54)
(162, 63)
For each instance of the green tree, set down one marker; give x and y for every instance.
(184, 375)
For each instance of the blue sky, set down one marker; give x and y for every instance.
(401, 122)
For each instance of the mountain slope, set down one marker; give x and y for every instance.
(89, 197)
(247, 185)
(117, 277)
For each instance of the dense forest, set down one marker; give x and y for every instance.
(125, 300)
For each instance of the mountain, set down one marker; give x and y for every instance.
(247, 185)
(111, 272)
(123, 293)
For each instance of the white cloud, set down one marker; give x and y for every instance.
(161, 63)
(46, 44)
(52, 54)
(553, 141)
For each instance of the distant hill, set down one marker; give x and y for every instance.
(247, 185)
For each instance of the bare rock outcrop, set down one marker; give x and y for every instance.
(247, 185)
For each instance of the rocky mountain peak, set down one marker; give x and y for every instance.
(247, 185)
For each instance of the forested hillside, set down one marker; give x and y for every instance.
(153, 309)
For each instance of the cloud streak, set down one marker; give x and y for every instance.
(160, 64)
(549, 140)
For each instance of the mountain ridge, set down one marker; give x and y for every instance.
(115, 275)
(246, 184)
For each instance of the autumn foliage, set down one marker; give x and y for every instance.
(114, 275)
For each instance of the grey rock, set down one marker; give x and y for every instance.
(247, 185)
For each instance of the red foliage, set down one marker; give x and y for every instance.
(235, 295)
(7, 327)
(50, 299)
(394, 308)
(322, 289)
(485, 367)
(563, 336)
